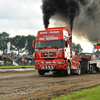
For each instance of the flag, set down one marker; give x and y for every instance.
(8, 47)
(26, 43)
(16, 59)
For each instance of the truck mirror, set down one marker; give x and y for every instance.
(33, 44)
(70, 37)
(65, 43)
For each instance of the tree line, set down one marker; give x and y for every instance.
(77, 48)
(18, 43)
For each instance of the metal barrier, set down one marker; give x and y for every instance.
(10, 62)
(28, 62)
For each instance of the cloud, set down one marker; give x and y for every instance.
(19, 9)
(20, 15)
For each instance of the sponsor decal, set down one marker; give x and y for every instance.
(51, 38)
(43, 32)
(41, 38)
(54, 31)
(47, 62)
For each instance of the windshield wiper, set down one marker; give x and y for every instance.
(48, 47)
(54, 46)
(40, 47)
(44, 47)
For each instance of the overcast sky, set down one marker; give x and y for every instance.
(24, 17)
(20, 17)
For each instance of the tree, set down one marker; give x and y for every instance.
(73, 46)
(77, 48)
(29, 47)
(4, 38)
(19, 42)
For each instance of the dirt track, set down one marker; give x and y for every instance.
(29, 85)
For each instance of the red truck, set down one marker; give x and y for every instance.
(53, 52)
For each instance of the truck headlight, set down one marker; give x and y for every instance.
(37, 63)
(93, 56)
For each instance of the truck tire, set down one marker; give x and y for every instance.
(79, 69)
(68, 70)
(86, 70)
(85, 66)
(41, 72)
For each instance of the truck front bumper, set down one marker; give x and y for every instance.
(50, 64)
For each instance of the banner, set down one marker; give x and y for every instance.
(8, 47)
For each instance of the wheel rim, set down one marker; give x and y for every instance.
(79, 71)
(68, 69)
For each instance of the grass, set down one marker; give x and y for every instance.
(86, 94)
(27, 66)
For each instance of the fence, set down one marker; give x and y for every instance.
(8, 62)
(25, 62)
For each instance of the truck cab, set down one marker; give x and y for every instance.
(53, 50)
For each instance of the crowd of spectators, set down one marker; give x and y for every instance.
(20, 60)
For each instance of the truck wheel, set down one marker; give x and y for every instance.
(93, 69)
(87, 68)
(79, 69)
(41, 72)
(68, 68)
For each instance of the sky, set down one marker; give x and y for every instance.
(24, 17)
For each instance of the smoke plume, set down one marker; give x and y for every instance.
(82, 16)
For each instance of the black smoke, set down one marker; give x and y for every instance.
(66, 8)
(81, 15)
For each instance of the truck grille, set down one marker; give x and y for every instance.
(49, 54)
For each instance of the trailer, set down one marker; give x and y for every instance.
(53, 52)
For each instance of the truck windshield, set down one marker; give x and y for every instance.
(44, 44)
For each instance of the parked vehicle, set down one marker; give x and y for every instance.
(94, 63)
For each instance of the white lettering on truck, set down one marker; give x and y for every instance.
(43, 32)
(41, 38)
(52, 38)
(54, 31)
